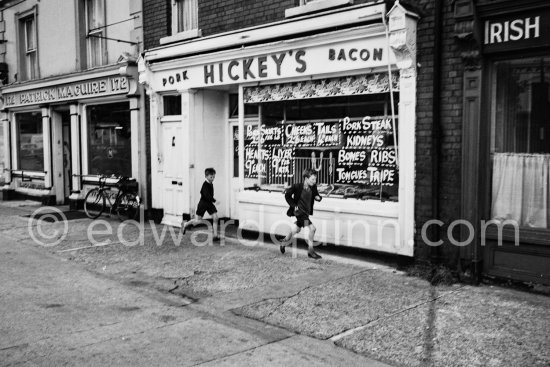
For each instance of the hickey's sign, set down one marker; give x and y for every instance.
(517, 31)
(254, 67)
(356, 54)
(67, 92)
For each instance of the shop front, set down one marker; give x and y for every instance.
(511, 140)
(261, 111)
(62, 133)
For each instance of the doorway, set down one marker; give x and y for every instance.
(173, 172)
(61, 154)
(234, 164)
(67, 159)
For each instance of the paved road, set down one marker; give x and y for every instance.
(54, 312)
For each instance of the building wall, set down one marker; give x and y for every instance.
(156, 22)
(450, 134)
(49, 48)
(217, 16)
(58, 40)
(119, 11)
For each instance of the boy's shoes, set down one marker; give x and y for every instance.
(314, 255)
(183, 227)
(282, 248)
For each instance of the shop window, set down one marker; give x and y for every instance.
(30, 138)
(96, 47)
(28, 47)
(171, 105)
(109, 139)
(520, 141)
(348, 140)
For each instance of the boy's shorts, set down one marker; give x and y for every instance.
(205, 206)
(303, 221)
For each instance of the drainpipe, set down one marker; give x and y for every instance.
(436, 116)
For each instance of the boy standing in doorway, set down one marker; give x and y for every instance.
(206, 204)
(300, 198)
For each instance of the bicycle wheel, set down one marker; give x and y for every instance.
(127, 206)
(94, 203)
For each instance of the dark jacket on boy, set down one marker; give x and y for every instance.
(293, 194)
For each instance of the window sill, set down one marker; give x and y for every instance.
(534, 236)
(332, 205)
(315, 6)
(182, 36)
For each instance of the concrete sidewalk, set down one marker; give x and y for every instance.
(359, 306)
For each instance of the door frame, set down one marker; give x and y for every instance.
(173, 219)
(58, 177)
(233, 182)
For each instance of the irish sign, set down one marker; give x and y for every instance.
(517, 31)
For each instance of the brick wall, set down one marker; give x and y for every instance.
(216, 16)
(450, 120)
(156, 21)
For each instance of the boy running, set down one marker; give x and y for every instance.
(206, 204)
(300, 198)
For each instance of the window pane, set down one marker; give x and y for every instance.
(349, 141)
(109, 139)
(95, 50)
(31, 65)
(187, 11)
(30, 141)
(172, 105)
(521, 141)
(95, 14)
(95, 20)
(30, 34)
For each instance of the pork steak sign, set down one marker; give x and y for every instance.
(297, 62)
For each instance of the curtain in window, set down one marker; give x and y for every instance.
(187, 15)
(521, 188)
(95, 14)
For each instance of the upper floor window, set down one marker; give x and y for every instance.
(28, 50)
(185, 21)
(185, 15)
(313, 6)
(95, 31)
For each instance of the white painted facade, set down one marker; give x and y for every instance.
(64, 88)
(184, 145)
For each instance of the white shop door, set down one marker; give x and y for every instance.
(173, 169)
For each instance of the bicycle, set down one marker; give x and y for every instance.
(126, 203)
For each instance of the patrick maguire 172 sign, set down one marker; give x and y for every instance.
(67, 92)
